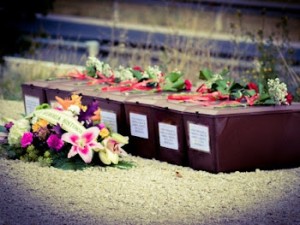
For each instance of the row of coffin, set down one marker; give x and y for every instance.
(203, 138)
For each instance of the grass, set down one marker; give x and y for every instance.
(17, 71)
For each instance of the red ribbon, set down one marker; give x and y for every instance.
(77, 75)
(206, 99)
(129, 86)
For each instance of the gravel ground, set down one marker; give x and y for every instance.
(151, 193)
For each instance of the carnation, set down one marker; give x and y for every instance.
(55, 142)
(26, 139)
(16, 132)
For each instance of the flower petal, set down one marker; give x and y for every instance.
(114, 157)
(108, 157)
(90, 134)
(104, 158)
(86, 154)
(96, 145)
(73, 151)
(70, 138)
(120, 138)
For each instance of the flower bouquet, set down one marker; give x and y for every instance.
(219, 90)
(131, 79)
(67, 135)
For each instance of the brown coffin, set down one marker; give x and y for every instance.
(112, 108)
(169, 131)
(60, 90)
(156, 128)
(140, 122)
(241, 139)
(33, 96)
(34, 92)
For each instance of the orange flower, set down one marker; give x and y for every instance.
(67, 102)
(96, 116)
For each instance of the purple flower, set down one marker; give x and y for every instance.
(26, 139)
(58, 130)
(89, 113)
(55, 142)
(8, 126)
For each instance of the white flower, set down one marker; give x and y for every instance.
(17, 130)
(101, 67)
(94, 62)
(75, 109)
(153, 72)
(106, 70)
(278, 91)
(124, 74)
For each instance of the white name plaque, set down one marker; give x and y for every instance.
(168, 137)
(31, 103)
(138, 125)
(110, 119)
(199, 137)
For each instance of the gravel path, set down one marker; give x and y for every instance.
(151, 193)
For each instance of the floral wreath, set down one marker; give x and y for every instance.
(67, 135)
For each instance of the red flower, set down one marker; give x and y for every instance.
(253, 86)
(289, 98)
(137, 68)
(188, 85)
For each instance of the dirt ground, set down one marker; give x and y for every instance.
(151, 193)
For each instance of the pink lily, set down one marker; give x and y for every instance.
(83, 144)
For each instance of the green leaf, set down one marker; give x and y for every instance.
(249, 92)
(261, 88)
(69, 164)
(263, 97)
(179, 84)
(222, 83)
(91, 71)
(236, 86)
(269, 102)
(205, 74)
(236, 95)
(137, 74)
(43, 106)
(124, 165)
(168, 87)
(174, 76)
(222, 90)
